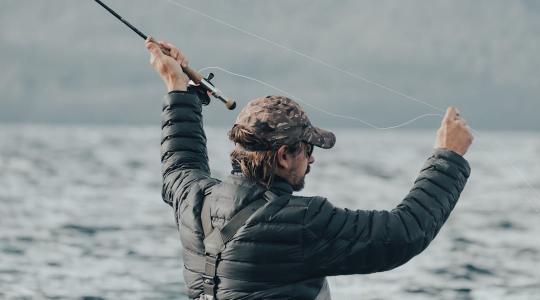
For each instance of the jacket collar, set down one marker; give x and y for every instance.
(279, 185)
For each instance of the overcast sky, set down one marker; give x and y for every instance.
(71, 62)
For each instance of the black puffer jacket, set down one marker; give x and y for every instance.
(289, 246)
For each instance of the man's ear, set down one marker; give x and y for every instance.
(283, 158)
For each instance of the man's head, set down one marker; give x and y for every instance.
(274, 136)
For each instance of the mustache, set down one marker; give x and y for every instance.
(308, 168)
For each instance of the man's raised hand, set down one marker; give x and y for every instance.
(454, 134)
(168, 66)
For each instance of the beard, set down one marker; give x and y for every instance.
(298, 186)
(300, 183)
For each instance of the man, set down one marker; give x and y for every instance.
(285, 246)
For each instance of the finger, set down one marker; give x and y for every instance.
(163, 49)
(163, 44)
(177, 55)
(450, 114)
(174, 53)
(167, 45)
(154, 49)
(171, 46)
(184, 62)
(149, 39)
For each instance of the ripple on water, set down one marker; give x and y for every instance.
(25, 238)
(54, 264)
(478, 270)
(528, 252)
(12, 250)
(509, 225)
(464, 271)
(431, 291)
(88, 229)
(463, 244)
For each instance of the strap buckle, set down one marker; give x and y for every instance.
(210, 266)
(209, 276)
(209, 280)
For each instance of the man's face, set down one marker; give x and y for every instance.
(300, 166)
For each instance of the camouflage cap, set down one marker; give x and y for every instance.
(279, 120)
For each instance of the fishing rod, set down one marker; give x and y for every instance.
(192, 74)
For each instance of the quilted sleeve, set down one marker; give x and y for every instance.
(341, 241)
(184, 158)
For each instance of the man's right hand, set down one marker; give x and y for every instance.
(454, 133)
(169, 67)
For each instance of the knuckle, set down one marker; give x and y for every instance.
(160, 66)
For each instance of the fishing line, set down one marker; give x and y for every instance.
(520, 174)
(536, 207)
(335, 68)
(371, 125)
(309, 57)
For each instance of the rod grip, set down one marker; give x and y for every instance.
(193, 75)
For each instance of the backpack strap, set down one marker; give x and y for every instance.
(206, 219)
(239, 220)
(215, 239)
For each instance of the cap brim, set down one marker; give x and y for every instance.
(319, 137)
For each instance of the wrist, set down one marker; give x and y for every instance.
(455, 151)
(174, 84)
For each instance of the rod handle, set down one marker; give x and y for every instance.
(191, 74)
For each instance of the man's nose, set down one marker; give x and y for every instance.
(311, 159)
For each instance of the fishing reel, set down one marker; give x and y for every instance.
(206, 88)
(200, 91)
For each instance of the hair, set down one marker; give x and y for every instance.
(257, 165)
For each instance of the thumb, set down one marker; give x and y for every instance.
(450, 113)
(154, 49)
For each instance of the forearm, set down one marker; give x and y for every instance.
(435, 193)
(415, 222)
